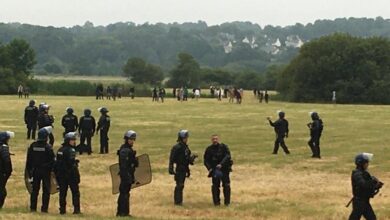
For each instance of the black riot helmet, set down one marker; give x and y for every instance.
(44, 133)
(69, 110)
(314, 116)
(87, 112)
(31, 103)
(103, 110)
(363, 158)
(281, 114)
(70, 136)
(5, 136)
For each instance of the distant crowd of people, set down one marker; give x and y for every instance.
(23, 91)
(114, 92)
(261, 95)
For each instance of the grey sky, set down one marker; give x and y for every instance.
(103, 12)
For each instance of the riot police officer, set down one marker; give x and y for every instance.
(127, 165)
(30, 119)
(86, 130)
(364, 187)
(316, 127)
(67, 173)
(182, 157)
(103, 127)
(70, 121)
(217, 160)
(46, 120)
(5, 164)
(40, 162)
(281, 130)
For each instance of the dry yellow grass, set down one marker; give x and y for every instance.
(263, 186)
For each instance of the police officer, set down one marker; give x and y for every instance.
(127, 165)
(217, 160)
(316, 127)
(364, 187)
(67, 173)
(103, 127)
(5, 164)
(46, 120)
(86, 130)
(182, 157)
(40, 162)
(70, 121)
(30, 119)
(281, 130)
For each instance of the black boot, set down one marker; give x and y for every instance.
(226, 194)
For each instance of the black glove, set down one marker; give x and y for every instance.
(171, 171)
(188, 174)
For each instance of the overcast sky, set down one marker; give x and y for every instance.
(103, 12)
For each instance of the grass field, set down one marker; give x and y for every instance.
(264, 186)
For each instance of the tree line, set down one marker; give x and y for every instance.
(233, 47)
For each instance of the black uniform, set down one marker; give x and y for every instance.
(316, 128)
(281, 130)
(363, 188)
(127, 165)
(40, 162)
(181, 156)
(70, 123)
(86, 130)
(103, 127)
(68, 176)
(214, 155)
(31, 119)
(5, 171)
(45, 120)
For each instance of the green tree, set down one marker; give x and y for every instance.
(17, 60)
(186, 72)
(354, 67)
(140, 72)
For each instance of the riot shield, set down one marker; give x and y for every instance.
(53, 183)
(143, 174)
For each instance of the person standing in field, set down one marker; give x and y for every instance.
(197, 94)
(182, 157)
(45, 120)
(39, 164)
(132, 92)
(114, 93)
(6, 164)
(218, 161)
(266, 96)
(86, 131)
(161, 93)
(185, 93)
(174, 92)
(261, 96)
(316, 127)
(103, 126)
(109, 92)
(20, 91)
(128, 162)
(334, 99)
(281, 130)
(364, 187)
(31, 113)
(67, 173)
(69, 121)
(26, 92)
(154, 95)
